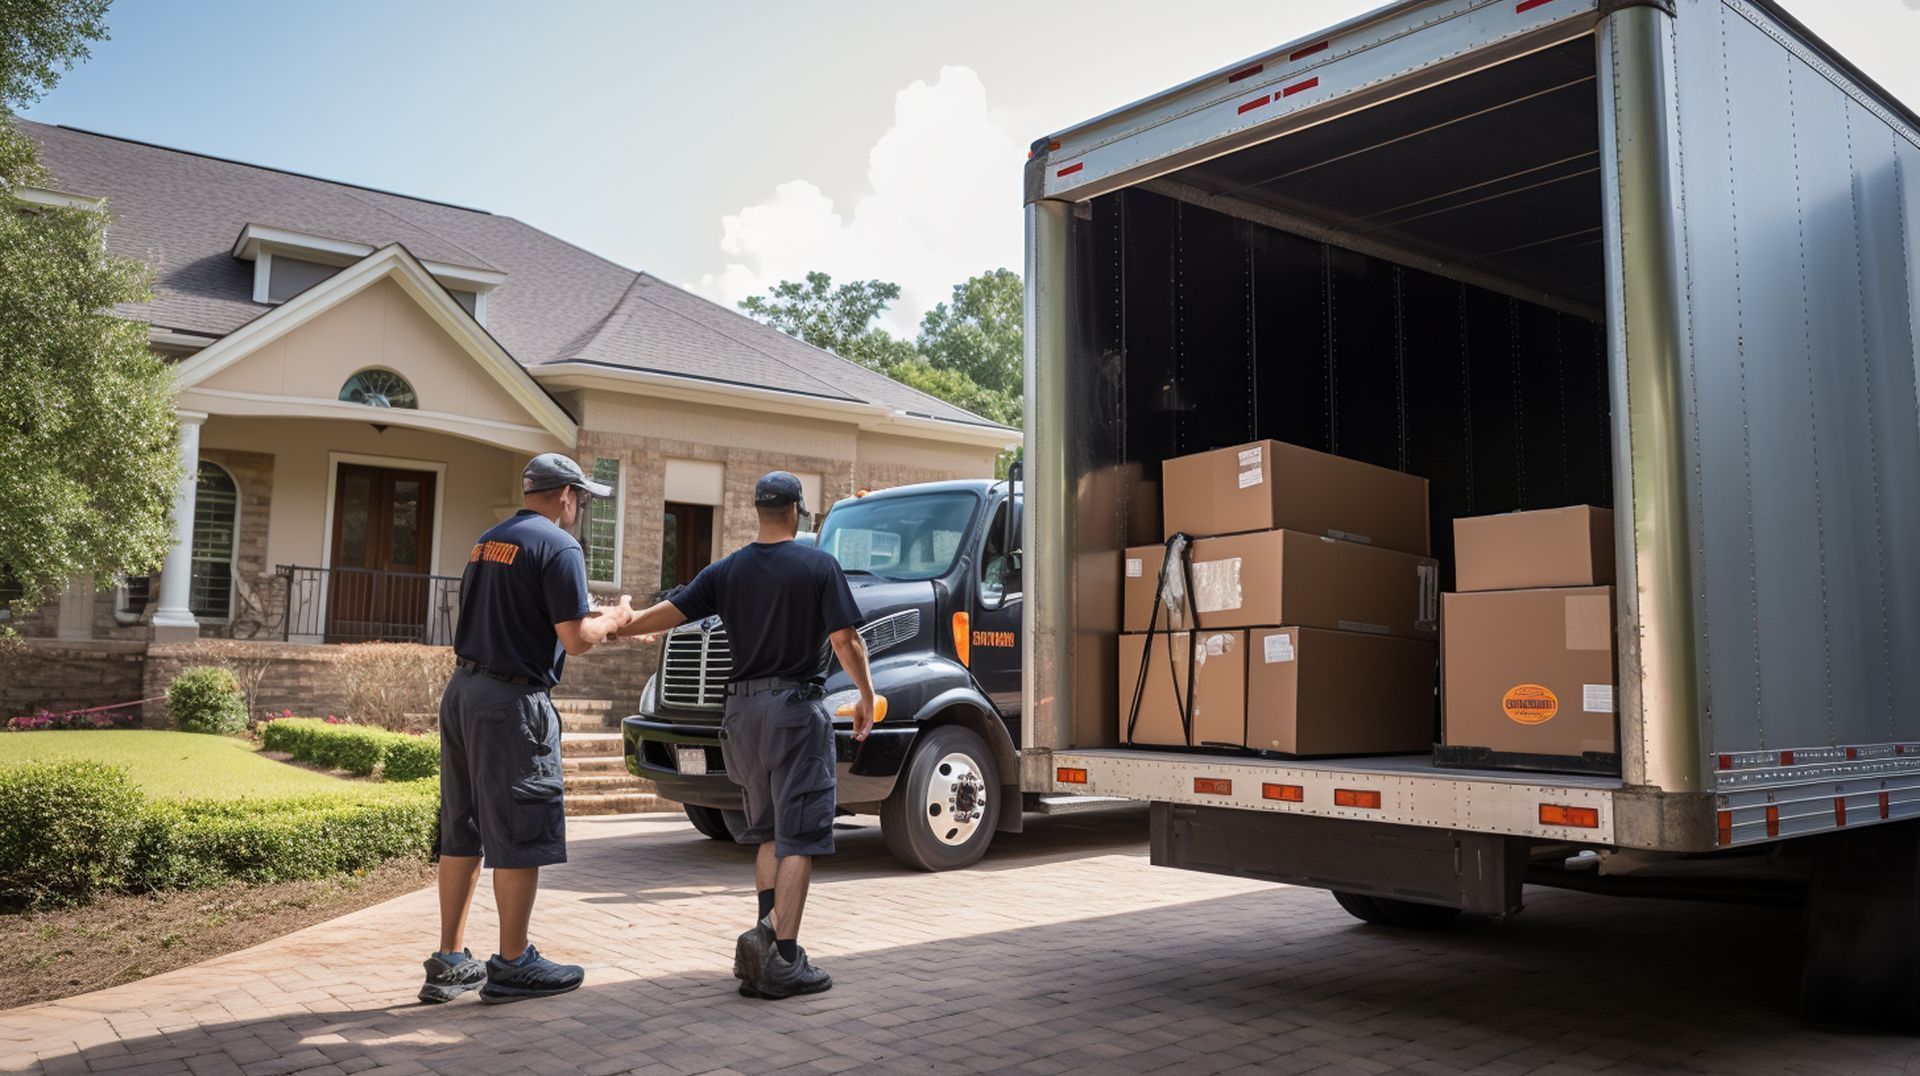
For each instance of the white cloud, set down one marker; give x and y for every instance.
(943, 205)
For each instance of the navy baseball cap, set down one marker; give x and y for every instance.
(551, 470)
(777, 489)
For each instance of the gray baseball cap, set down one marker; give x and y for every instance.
(551, 470)
(777, 489)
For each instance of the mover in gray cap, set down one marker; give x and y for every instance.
(523, 609)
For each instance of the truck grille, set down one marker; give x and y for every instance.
(694, 667)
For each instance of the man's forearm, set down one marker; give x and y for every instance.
(853, 659)
(654, 620)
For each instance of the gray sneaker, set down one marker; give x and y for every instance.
(750, 953)
(447, 980)
(781, 979)
(532, 976)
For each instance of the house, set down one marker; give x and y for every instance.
(361, 377)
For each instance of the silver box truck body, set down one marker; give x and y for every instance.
(1657, 255)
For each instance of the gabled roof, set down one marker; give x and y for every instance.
(558, 304)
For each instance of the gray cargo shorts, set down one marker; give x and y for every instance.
(778, 747)
(500, 773)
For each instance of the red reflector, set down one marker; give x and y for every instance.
(1070, 169)
(1213, 786)
(1525, 6)
(1786, 758)
(1886, 805)
(1298, 86)
(1249, 106)
(1553, 814)
(1852, 753)
(1355, 797)
(1246, 72)
(1839, 810)
(1070, 776)
(1726, 828)
(1286, 793)
(1301, 54)
(1726, 762)
(1773, 821)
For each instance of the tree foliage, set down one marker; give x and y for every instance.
(87, 460)
(981, 333)
(839, 319)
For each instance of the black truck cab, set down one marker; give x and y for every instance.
(935, 569)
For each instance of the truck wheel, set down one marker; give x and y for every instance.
(1387, 912)
(711, 821)
(943, 809)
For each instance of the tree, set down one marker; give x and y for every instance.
(87, 461)
(837, 319)
(981, 333)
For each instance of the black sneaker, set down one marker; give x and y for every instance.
(751, 951)
(780, 978)
(532, 976)
(446, 981)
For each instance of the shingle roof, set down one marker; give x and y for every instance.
(181, 212)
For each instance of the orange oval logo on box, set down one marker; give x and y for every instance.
(1530, 704)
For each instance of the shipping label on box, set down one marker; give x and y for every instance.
(1286, 577)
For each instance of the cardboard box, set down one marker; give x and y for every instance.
(1529, 672)
(1140, 583)
(1315, 692)
(1286, 577)
(1558, 547)
(1268, 485)
(1219, 661)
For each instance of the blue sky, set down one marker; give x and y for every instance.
(719, 145)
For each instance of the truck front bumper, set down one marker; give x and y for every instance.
(866, 770)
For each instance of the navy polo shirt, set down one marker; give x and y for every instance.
(524, 576)
(779, 601)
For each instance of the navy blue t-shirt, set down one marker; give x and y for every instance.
(523, 577)
(779, 601)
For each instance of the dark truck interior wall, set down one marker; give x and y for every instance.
(1212, 329)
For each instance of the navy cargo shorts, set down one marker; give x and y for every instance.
(778, 747)
(500, 786)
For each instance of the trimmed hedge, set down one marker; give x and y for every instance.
(207, 699)
(75, 829)
(356, 749)
(67, 831)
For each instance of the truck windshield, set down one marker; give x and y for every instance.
(914, 537)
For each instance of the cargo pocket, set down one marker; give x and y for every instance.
(814, 822)
(539, 815)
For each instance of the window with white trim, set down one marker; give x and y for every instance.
(131, 597)
(375, 387)
(601, 528)
(216, 530)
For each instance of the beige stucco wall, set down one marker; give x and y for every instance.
(676, 420)
(381, 326)
(480, 485)
(886, 460)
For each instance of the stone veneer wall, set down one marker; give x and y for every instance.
(60, 675)
(303, 679)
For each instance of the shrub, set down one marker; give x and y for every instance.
(353, 748)
(207, 699)
(395, 686)
(248, 662)
(184, 845)
(411, 758)
(68, 830)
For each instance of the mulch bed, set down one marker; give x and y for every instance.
(118, 939)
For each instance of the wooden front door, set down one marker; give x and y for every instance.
(382, 554)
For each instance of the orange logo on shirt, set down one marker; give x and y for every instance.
(494, 552)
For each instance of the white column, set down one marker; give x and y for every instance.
(76, 609)
(173, 620)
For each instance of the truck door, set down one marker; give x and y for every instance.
(996, 612)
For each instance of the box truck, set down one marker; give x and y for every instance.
(1651, 255)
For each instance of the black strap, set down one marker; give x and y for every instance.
(1179, 548)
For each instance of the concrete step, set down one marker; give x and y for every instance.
(593, 744)
(595, 706)
(571, 721)
(594, 783)
(618, 803)
(591, 764)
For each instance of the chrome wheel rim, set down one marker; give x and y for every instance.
(956, 800)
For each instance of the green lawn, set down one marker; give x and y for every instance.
(182, 765)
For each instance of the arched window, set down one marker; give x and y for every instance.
(216, 519)
(379, 388)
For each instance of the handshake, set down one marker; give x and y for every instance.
(620, 617)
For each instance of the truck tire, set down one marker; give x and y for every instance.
(708, 820)
(943, 810)
(1387, 912)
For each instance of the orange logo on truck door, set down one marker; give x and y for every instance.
(1530, 704)
(993, 638)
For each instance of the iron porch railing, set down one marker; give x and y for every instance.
(360, 605)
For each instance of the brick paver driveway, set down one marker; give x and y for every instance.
(1065, 951)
